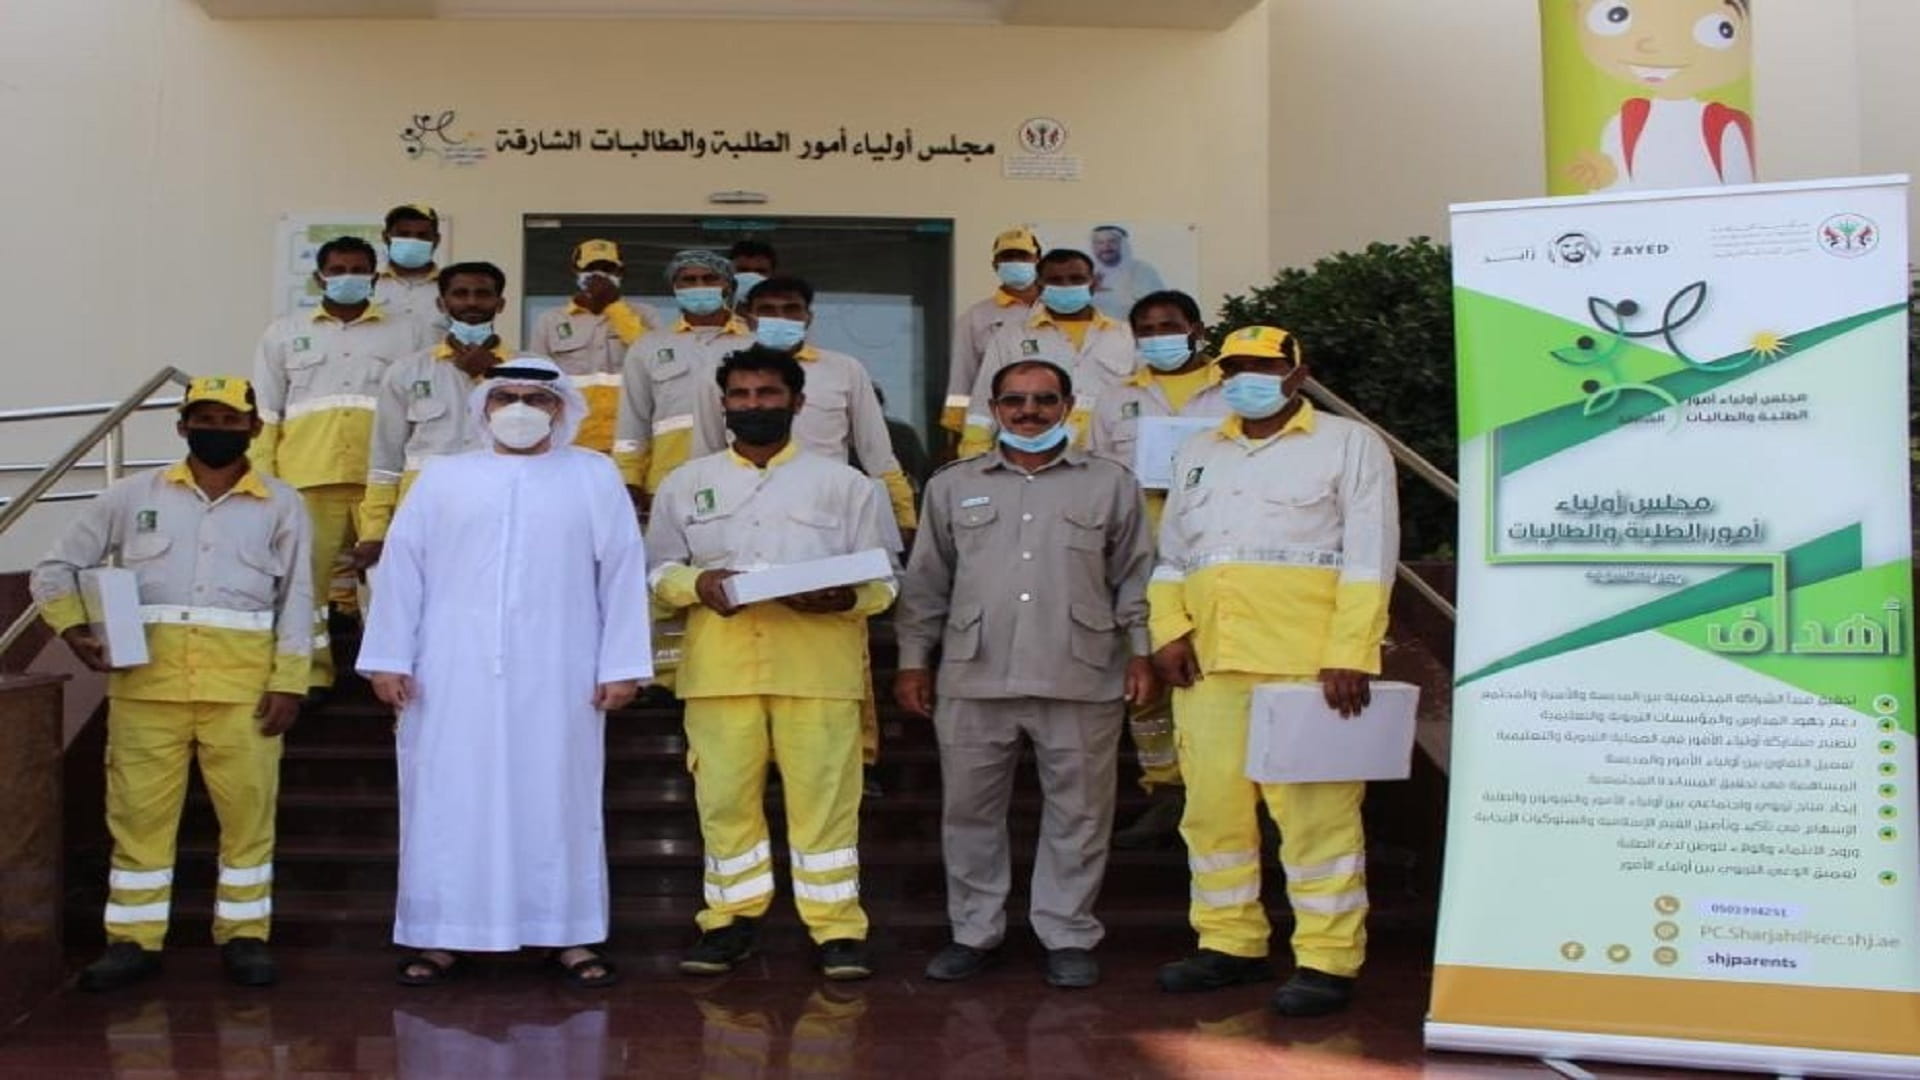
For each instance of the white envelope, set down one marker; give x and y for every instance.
(1159, 441)
(112, 599)
(1294, 737)
(873, 564)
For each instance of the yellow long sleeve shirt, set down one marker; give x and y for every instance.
(667, 374)
(590, 348)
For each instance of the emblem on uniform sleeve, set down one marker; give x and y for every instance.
(1029, 347)
(146, 521)
(422, 389)
(1193, 477)
(703, 501)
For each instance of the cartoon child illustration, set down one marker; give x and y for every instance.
(1673, 50)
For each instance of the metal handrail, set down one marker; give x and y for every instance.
(107, 429)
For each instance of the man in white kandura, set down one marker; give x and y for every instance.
(510, 616)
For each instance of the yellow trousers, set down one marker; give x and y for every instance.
(331, 508)
(1151, 727)
(1322, 843)
(816, 743)
(869, 721)
(150, 745)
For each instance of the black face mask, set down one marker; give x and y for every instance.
(760, 427)
(217, 448)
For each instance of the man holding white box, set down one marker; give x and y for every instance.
(221, 555)
(1030, 575)
(1277, 552)
(778, 680)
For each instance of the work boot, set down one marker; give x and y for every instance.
(845, 960)
(957, 961)
(1158, 826)
(248, 962)
(720, 951)
(1313, 993)
(1211, 970)
(1072, 969)
(123, 964)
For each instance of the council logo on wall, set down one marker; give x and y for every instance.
(1849, 236)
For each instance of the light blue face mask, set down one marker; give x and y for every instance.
(1255, 396)
(409, 253)
(348, 288)
(744, 281)
(1035, 444)
(1165, 352)
(1067, 299)
(700, 299)
(1015, 274)
(782, 334)
(470, 334)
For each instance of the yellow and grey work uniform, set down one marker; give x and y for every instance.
(224, 591)
(416, 298)
(318, 380)
(421, 413)
(841, 415)
(666, 375)
(591, 349)
(1098, 353)
(1033, 585)
(1277, 556)
(772, 683)
(972, 331)
(1114, 435)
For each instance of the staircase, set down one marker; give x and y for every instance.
(339, 816)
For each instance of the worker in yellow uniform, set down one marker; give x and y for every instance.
(422, 409)
(1066, 330)
(1176, 379)
(779, 680)
(408, 286)
(754, 261)
(589, 337)
(670, 370)
(1277, 554)
(1015, 255)
(318, 375)
(220, 553)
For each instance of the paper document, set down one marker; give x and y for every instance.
(112, 599)
(1294, 737)
(1159, 441)
(774, 582)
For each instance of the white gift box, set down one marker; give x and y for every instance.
(1158, 441)
(774, 582)
(112, 599)
(1295, 737)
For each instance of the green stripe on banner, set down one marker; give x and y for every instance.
(1829, 556)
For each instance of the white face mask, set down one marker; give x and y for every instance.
(519, 426)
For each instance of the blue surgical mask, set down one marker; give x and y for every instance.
(348, 288)
(744, 281)
(1035, 444)
(781, 334)
(470, 334)
(1165, 352)
(1256, 396)
(1067, 299)
(700, 299)
(1016, 275)
(409, 253)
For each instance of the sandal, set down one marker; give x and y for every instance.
(576, 972)
(437, 973)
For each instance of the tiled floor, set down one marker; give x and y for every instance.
(338, 1013)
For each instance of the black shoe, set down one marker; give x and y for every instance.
(123, 964)
(719, 951)
(844, 960)
(1210, 970)
(248, 962)
(957, 961)
(1158, 826)
(1072, 969)
(1313, 993)
(870, 784)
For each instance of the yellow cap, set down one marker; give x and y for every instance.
(1020, 239)
(1267, 341)
(593, 251)
(420, 208)
(225, 389)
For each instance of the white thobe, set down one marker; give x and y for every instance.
(509, 588)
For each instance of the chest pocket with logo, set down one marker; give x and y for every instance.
(145, 553)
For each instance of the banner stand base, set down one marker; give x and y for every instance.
(1559, 1049)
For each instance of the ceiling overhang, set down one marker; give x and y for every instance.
(1163, 14)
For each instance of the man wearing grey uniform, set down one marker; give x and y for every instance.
(1030, 572)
